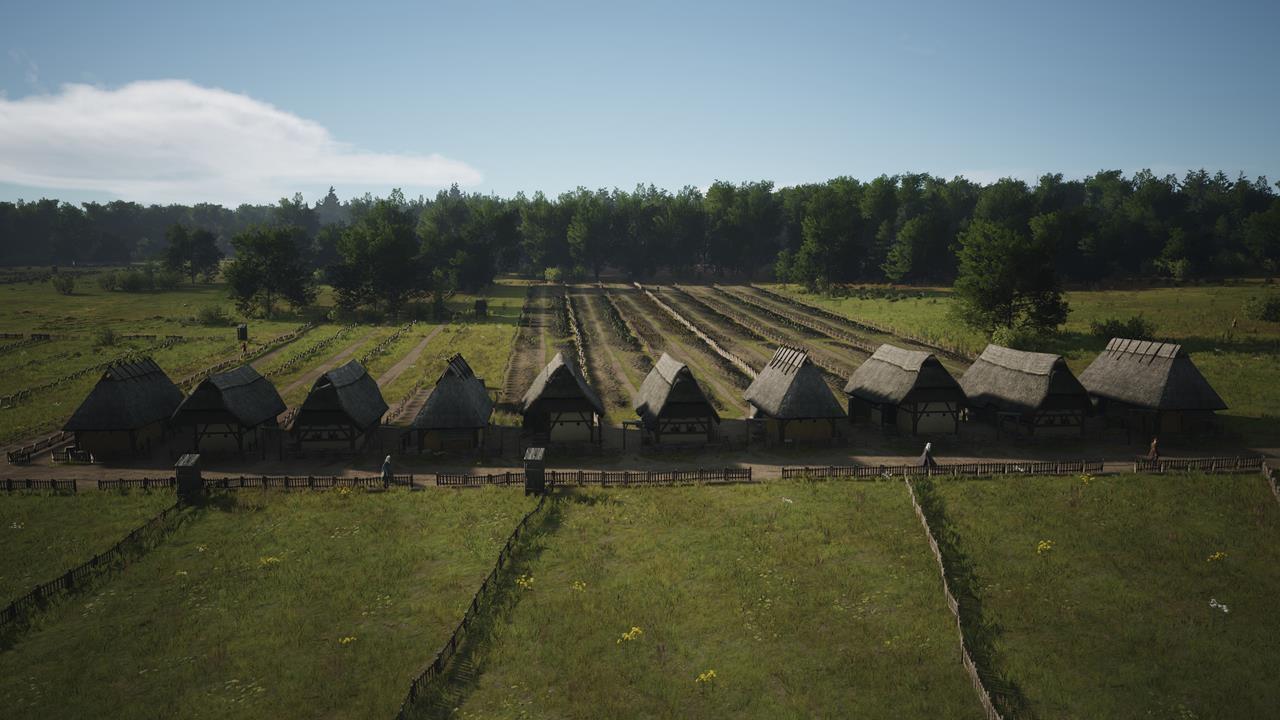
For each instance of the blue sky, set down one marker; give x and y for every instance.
(281, 96)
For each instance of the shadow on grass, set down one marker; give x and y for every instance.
(980, 633)
(468, 665)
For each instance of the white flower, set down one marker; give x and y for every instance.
(1213, 603)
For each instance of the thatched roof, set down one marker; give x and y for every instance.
(458, 401)
(241, 395)
(670, 390)
(1011, 380)
(1152, 375)
(560, 384)
(892, 376)
(790, 387)
(128, 396)
(347, 390)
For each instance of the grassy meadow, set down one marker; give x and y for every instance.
(804, 599)
(274, 605)
(1242, 363)
(1156, 597)
(46, 535)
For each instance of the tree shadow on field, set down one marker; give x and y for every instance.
(465, 669)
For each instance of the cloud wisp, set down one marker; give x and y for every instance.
(176, 141)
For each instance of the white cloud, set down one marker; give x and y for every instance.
(175, 141)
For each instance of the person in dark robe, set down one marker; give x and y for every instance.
(1154, 452)
(926, 457)
(386, 471)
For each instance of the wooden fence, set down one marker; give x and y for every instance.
(966, 658)
(279, 341)
(875, 472)
(800, 321)
(575, 332)
(23, 455)
(604, 478)
(136, 483)
(263, 482)
(33, 340)
(736, 362)
(139, 540)
(19, 396)
(11, 485)
(385, 344)
(1205, 465)
(296, 361)
(437, 666)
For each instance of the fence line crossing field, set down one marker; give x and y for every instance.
(1128, 596)
(267, 605)
(802, 598)
(44, 535)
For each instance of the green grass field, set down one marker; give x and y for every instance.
(46, 535)
(1115, 619)
(1241, 364)
(285, 605)
(806, 600)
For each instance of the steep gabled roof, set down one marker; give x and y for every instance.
(790, 387)
(893, 376)
(1152, 375)
(670, 387)
(243, 393)
(129, 395)
(1011, 380)
(356, 394)
(458, 401)
(563, 382)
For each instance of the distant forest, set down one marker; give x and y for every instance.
(903, 228)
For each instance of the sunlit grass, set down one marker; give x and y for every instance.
(1115, 618)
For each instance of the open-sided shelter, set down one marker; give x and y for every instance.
(1036, 392)
(126, 412)
(560, 406)
(1151, 388)
(228, 411)
(793, 400)
(906, 389)
(456, 414)
(343, 406)
(671, 404)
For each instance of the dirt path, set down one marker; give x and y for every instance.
(529, 349)
(312, 375)
(597, 337)
(706, 370)
(395, 371)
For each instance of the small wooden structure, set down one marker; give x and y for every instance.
(456, 414)
(343, 406)
(672, 404)
(127, 412)
(560, 406)
(230, 411)
(908, 390)
(793, 401)
(1151, 388)
(1034, 392)
(481, 308)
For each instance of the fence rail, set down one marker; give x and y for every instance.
(1207, 465)
(23, 455)
(263, 482)
(438, 664)
(734, 361)
(141, 538)
(870, 472)
(604, 478)
(12, 485)
(966, 659)
(15, 398)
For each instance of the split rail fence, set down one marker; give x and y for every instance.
(15, 398)
(23, 455)
(11, 485)
(140, 539)
(604, 478)
(1205, 465)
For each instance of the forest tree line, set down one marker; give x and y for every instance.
(909, 228)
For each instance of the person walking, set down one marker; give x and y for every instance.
(926, 457)
(386, 472)
(1154, 453)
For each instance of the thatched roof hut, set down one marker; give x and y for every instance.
(1151, 375)
(1037, 387)
(346, 395)
(458, 401)
(671, 391)
(241, 397)
(790, 387)
(129, 396)
(560, 385)
(894, 376)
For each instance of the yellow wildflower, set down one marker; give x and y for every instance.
(706, 677)
(347, 640)
(579, 586)
(525, 582)
(1219, 555)
(632, 634)
(1044, 546)
(268, 560)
